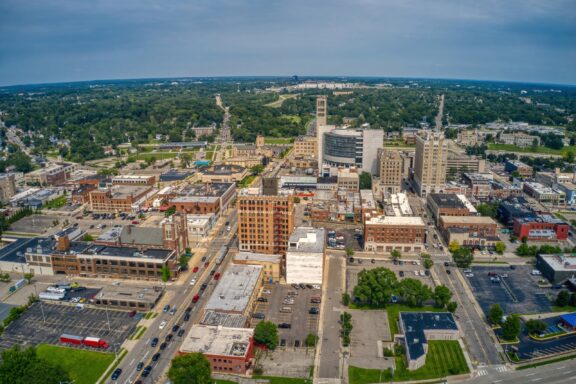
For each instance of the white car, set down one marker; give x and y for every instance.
(469, 275)
(193, 281)
(316, 286)
(162, 324)
(416, 273)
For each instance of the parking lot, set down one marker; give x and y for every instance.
(370, 327)
(403, 269)
(517, 293)
(31, 329)
(344, 238)
(37, 224)
(276, 310)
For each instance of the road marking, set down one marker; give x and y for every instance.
(496, 381)
(536, 379)
(530, 374)
(562, 367)
(132, 362)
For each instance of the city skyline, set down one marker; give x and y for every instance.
(61, 41)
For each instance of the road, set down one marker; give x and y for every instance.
(563, 372)
(328, 359)
(182, 295)
(438, 119)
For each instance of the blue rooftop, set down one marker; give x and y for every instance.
(569, 319)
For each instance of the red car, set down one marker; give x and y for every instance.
(195, 269)
(206, 264)
(217, 276)
(135, 222)
(196, 298)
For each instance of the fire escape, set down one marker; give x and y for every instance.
(279, 232)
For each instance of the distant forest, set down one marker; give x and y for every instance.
(94, 114)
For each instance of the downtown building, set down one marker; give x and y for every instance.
(430, 163)
(265, 223)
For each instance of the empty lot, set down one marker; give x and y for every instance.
(31, 329)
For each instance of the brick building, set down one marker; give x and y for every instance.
(265, 222)
(540, 228)
(443, 204)
(118, 198)
(229, 350)
(204, 198)
(386, 233)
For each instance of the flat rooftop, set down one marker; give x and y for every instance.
(260, 257)
(540, 219)
(223, 170)
(467, 220)
(218, 340)
(126, 252)
(131, 234)
(231, 320)
(542, 189)
(447, 200)
(415, 324)
(124, 191)
(307, 239)
(236, 286)
(126, 292)
(562, 263)
(397, 221)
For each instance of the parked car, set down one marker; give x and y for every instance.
(285, 325)
(140, 366)
(181, 332)
(156, 356)
(262, 299)
(154, 342)
(314, 311)
(258, 315)
(175, 328)
(169, 337)
(147, 371)
(186, 316)
(195, 269)
(401, 273)
(162, 324)
(166, 308)
(163, 346)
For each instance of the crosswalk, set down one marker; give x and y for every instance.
(496, 368)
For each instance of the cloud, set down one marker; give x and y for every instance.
(64, 40)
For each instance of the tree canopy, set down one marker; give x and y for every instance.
(192, 368)
(23, 366)
(266, 333)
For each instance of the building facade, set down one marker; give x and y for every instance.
(391, 170)
(7, 187)
(265, 223)
(353, 148)
(430, 163)
(388, 233)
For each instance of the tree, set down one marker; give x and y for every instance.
(185, 160)
(572, 301)
(563, 298)
(451, 307)
(535, 327)
(453, 246)
(511, 327)
(170, 211)
(349, 252)
(442, 295)
(496, 314)
(395, 254)
(296, 199)
(463, 258)
(257, 169)
(88, 237)
(311, 340)
(500, 247)
(346, 299)
(192, 368)
(428, 263)
(375, 286)
(29, 277)
(365, 180)
(23, 366)
(266, 333)
(488, 209)
(166, 274)
(414, 292)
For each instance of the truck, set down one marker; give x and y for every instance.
(51, 296)
(71, 339)
(94, 342)
(55, 290)
(19, 284)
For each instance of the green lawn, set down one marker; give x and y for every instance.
(283, 380)
(445, 358)
(279, 140)
(84, 367)
(567, 308)
(278, 103)
(156, 155)
(223, 382)
(245, 182)
(513, 148)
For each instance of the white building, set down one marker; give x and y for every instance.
(305, 256)
(199, 226)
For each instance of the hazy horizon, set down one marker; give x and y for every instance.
(58, 41)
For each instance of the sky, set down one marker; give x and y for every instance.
(46, 41)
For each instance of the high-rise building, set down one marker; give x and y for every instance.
(430, 163)
(352, 148)
(321, 111)
(265, 223)
(390, 163)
